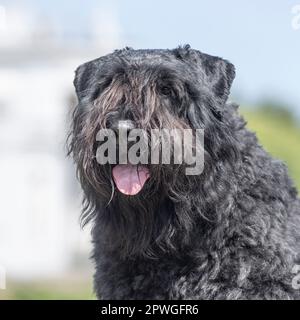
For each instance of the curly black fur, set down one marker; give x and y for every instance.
(230, 233)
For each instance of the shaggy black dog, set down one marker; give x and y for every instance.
(231, 232)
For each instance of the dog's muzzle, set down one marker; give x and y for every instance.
(128, 178)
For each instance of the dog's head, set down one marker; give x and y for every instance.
(146, 89)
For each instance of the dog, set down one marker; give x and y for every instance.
(231, 232)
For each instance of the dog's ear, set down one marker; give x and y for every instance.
(220, 74)
(214, 72)
(84, 75)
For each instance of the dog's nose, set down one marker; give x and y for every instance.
(125, 125)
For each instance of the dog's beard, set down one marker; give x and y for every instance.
(149, 222)
(142, 210)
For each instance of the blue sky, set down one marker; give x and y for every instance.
(256, 36)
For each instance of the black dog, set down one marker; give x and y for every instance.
(229, 233)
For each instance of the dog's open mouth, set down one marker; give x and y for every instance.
(130, 179)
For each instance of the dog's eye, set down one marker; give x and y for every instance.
(166, 91)
(101, 86)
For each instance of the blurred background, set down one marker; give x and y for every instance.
(44, 254)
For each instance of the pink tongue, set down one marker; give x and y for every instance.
(129, 178)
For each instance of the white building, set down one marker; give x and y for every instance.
(39, 198)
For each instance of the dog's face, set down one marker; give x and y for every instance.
(145, 89)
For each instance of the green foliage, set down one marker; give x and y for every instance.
(279, 133)
(64, 289)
